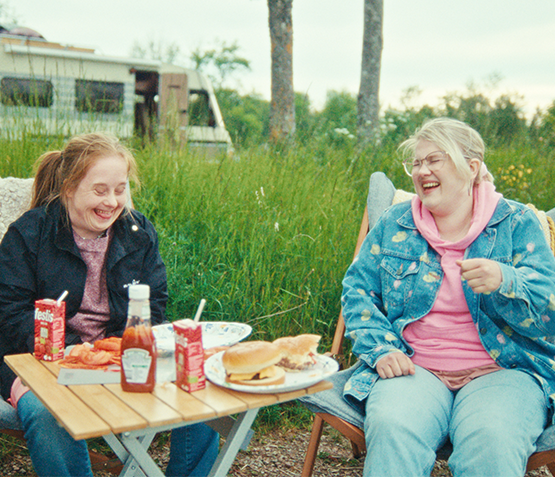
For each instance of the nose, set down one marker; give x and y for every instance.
(421, 168)
(111, 199)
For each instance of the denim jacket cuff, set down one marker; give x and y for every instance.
(371, 359)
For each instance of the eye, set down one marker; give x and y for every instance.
(121, 190)
(100, 190)
(416, 163)
(433, 160)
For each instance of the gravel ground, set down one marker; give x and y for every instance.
(273, 454)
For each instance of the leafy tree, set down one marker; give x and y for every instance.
(542, 129)
(507, 119)
(305, 120)
(219, 63)
(340, 111)
(245, 117)
(500, 122)
(282, 106)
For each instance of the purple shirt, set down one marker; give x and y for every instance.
(90, 322)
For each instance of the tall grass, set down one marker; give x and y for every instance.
(266, 236)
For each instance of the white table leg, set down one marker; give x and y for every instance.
(114, 443)
(139, 463)
(233, 443)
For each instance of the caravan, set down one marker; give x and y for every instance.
(51, 88)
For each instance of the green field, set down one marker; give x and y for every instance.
(265, 236)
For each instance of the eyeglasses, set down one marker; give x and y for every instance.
(434, 162)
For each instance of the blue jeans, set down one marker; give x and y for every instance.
(193, 451)
(493, 423)
(53, 451)
(56, 454)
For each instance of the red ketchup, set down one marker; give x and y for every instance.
(138, 348)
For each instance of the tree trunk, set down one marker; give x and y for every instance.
(368, 96)
(282, 106)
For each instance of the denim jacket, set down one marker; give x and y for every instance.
(395, 279)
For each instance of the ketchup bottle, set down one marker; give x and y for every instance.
(138, 349)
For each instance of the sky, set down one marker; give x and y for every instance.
(436, 46)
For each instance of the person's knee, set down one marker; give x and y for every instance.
(32, 412)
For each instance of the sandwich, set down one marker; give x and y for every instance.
(298, 352)
(252, 363)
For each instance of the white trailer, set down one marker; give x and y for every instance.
(50, 88)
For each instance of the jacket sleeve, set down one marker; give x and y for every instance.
(525, 299)
(366, 320)
(17, 294)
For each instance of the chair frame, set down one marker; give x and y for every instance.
(355, 434)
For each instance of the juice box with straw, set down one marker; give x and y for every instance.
(189, 355)
(50, 329)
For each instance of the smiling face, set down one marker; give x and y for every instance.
(446, 190)
(99, 198)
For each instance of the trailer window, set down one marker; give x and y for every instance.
(98, 96)
(26, 92)
(200, 112)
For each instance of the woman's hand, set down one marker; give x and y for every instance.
(481, 274)
(394, 364)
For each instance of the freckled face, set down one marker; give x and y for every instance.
(441, 192)
(99, 198)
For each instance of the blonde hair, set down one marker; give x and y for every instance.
(60, 172)
(457, 139)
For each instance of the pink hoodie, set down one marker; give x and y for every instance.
(446, 339)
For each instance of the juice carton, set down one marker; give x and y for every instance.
(49, 329)
(189, 355)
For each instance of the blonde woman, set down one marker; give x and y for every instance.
(447, 304)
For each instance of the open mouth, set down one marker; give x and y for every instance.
(430, 185)
(103, 214)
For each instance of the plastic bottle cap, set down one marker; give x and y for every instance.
(139, 292)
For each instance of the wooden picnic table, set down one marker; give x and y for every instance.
(129, 421)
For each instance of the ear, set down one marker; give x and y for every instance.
(475, 165)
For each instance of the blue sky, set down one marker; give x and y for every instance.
(439, 46)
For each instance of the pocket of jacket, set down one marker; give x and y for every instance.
(398, 278)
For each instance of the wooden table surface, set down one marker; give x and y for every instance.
(94, 410)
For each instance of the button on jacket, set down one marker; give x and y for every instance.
(39, 259)
(395, 280)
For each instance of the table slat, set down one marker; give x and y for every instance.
(186, 404)
(76, 417)
(220, 400)
(110, 408)
(321, 386)
(253, 400)
(147, 405)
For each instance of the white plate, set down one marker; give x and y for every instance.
(221, 333)
(323, 368)
(214, 333)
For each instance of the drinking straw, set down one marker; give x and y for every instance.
(199, 311)
(62, 297)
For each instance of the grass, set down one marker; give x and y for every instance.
(266, 236)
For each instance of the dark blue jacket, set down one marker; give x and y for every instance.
(39, 259)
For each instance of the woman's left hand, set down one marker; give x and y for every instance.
(481, 274)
